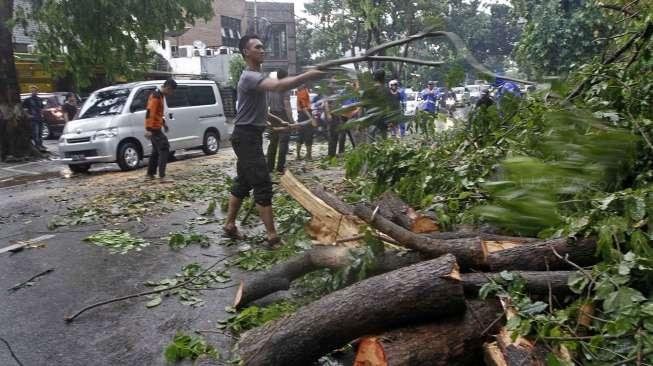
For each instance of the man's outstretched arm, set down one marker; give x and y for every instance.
(290, 82)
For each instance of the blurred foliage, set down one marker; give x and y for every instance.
(188, 346)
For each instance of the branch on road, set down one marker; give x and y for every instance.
(11, 351)
(69, 319)
(25, 283)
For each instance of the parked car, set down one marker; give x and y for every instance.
(462, 96)
(474, 92)
(53, 119)
(111, 124)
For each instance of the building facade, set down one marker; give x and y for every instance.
(22, 39)
(275, 22)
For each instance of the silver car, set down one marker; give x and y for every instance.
(110, 126)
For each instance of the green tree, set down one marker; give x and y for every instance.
(109, 37)
(236, 67)
(560, 35)
(95, 37)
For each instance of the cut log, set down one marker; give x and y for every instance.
(425, 291)
(280, 276)
(396, 210)
(537, 283)
(327, 225)
(469, 252)
(539, 256)
(333, 200)
(454, 341)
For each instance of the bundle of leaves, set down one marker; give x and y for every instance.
(179, 240)
(117, 241)
(254, 316)
(198, 280)
(188, 346)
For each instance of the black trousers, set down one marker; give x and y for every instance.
(251, 167)
(37, 128)
(160, 152)
(337, 136)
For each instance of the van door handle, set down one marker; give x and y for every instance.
(171, 116)
(210, 116)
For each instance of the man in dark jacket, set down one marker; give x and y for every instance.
(34, 106)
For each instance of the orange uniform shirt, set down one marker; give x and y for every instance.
(303, 100)
(154, 115)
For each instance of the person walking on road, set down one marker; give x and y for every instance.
(398, 126)
(279, 104)
(70, 107)
(154, 123)
(304, 113)
(247, 138)
(34, 107)
(429, 98)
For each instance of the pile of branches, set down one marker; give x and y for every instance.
(421, 306)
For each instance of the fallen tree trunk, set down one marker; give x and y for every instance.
(425, 291)
(474, 252)
(396, 210)
(280, 276)
(457, 340)
(469, 252)
(332, 200)
(540, 256)
(537, 283)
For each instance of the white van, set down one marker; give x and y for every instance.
(110, 126)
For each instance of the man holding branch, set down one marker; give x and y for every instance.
(247, 138)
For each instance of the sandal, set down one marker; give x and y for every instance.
(232, 233)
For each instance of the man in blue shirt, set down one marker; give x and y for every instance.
(429, 98)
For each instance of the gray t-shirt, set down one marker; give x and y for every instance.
(252, 104)
(275, 100)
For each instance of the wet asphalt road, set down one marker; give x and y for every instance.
(123, 333)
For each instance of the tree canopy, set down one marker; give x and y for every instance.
(107, 36)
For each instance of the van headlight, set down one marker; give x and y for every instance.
(105, 133)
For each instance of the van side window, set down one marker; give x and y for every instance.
(179, 97)
(139, 103)
(201, 95)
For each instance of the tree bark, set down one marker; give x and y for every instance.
(332, 200)
(14, 127)
(280, 276)
(537, 282)
(454, 341)
(396, 210)
(539, 256)
(468, 251)
(425, 291)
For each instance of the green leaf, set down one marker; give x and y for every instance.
(534, 308)
(622, 299)
(154, 302)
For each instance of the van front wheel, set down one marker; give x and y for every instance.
(129, 156)
(211, 143)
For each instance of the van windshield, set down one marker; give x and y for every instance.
(105, 103)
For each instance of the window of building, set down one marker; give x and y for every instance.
(230, 30)
(277, 47)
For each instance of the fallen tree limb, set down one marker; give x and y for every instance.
(468, 251)
(280, 276)
(396, 210)
(332, 200)
(69, 319)
(454, 39)
(11, 351)
(535, 256)
(457, 340)
(425, 291)
(537, 282)
(327, 224)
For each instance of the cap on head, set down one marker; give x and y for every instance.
(242, 43)
(170, 83)
(33, 87)
(393, 83)
(431, 82)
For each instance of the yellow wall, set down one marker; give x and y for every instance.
(31, 72)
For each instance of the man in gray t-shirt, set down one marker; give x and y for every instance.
(247, 138)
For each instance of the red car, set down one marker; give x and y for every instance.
(52, 112)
